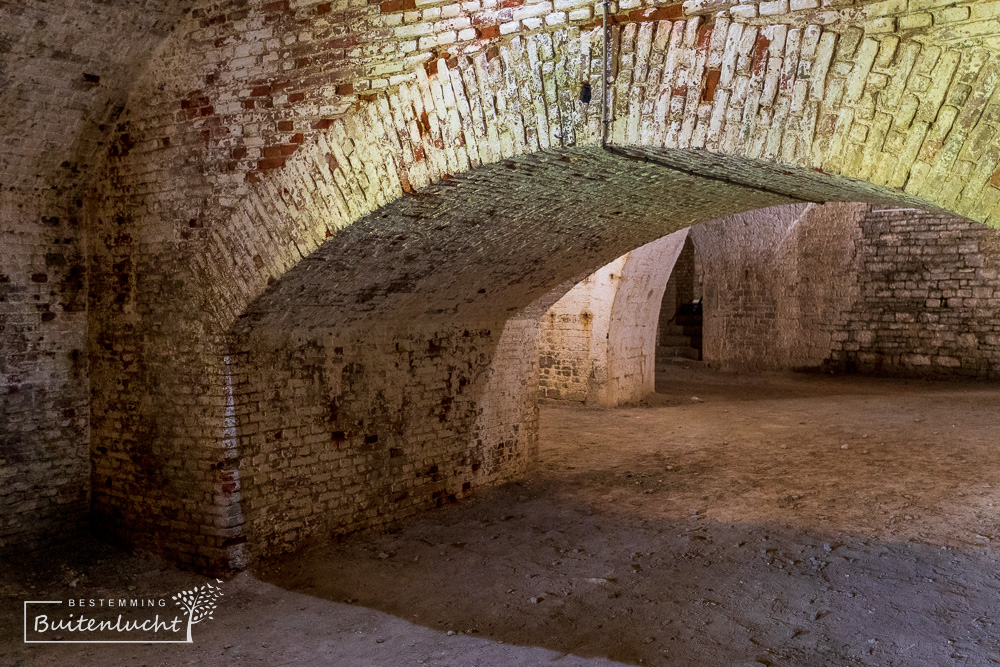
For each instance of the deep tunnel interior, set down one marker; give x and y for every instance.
(394, 368)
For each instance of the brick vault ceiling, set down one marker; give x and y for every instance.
(65, 71)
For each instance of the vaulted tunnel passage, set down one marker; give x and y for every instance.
(819, 287)
(795, 105)
(276, 271)
(394, 368)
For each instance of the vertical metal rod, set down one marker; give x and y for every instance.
(605, 93)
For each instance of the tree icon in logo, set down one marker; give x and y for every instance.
(199, 602)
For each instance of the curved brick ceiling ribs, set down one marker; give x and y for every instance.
(368, 104)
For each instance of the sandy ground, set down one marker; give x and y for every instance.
(732, 520)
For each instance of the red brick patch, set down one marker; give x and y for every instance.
(390, 6)
(271, 163)
(658, 14)
(712, 77)
(760, 55)
(279, 6)
(704, 37)
(488, 32)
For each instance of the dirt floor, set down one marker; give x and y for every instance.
(786, 520)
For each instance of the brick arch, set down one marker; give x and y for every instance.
(871, 101)
(867, 94)
(393, 367)
(900, 101)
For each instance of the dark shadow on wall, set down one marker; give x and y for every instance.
(680, 327)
